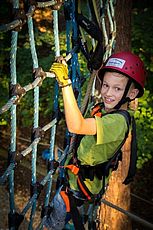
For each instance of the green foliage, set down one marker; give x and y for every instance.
(144, 119)
(142, 45)
(142, 39)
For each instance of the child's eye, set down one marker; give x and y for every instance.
(104, 85)
(117, 89)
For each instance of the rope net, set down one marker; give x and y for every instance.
(79, 41)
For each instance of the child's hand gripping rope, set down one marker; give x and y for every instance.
(60, 70)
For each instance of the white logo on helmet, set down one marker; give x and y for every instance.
(116, 62)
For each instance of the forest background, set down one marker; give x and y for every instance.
(142, 44)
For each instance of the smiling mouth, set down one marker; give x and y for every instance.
(108, 100)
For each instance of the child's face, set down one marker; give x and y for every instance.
(113, 89)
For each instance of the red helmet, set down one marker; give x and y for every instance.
(128, 64)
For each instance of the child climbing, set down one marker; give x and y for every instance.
(122, 79)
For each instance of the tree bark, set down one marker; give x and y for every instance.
(123, 25)
(117, 193)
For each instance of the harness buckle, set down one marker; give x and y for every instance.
(74, 169)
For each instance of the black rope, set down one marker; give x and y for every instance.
(129, 214)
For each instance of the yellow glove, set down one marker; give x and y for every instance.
(61, 72)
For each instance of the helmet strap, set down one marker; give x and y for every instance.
(124, 98)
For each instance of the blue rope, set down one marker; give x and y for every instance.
(74, 69)
(13, 114)
(74, 59)
(68, 48)
(68, 39)
(34, 197)
(13, 118)
(7, 173)
(36, 113)
(55, 106)
(56, 34)
(71, 26)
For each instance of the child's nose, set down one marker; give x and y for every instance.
(109, 91)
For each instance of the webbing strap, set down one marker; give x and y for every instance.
(83, 189)
(75, 170)
(65, 197)
(75, 214)
(71, 207)
(133, 156)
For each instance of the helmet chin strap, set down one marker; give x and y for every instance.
(124, 98)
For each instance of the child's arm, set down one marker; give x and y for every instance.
(76, 123)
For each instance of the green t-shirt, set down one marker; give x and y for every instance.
(93, 150)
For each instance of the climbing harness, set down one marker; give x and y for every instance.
(101, 171)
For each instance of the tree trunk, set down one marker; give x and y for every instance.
(117, 193)
(123, 25)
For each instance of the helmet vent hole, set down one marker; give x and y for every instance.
(133, 72)
(130, 67)
(137, 64)
(126, 68)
